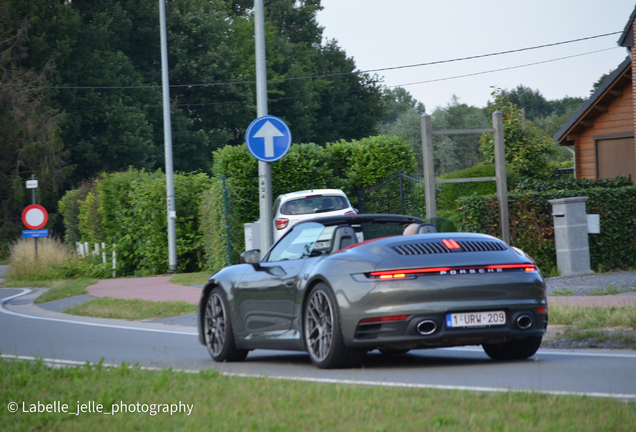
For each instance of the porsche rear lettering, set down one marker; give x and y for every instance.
(470, 271)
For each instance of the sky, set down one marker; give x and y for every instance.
(390, 33)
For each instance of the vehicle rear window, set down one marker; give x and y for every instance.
(372, 230)
(317, 204)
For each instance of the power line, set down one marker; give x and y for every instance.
(504, 69)
(324, 75)
(397, 85)
(493, 54)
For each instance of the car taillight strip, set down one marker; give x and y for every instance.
(527, 267)
(400, 274)
(410, 271)
(384, 319)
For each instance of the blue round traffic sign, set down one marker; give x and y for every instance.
(268, 138)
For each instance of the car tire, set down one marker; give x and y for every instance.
(323, 333)
(513, 350)
(217, 330)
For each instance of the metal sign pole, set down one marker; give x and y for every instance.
(264, 168)
(167, 135)
(33, 199)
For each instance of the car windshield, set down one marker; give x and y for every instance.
(314, 204)
(299, 243)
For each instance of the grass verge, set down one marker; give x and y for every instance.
(58, 289)
(593, 317)
(593, 327)
(187, 279)
(563, 292)
(609, 290)
(65, 288)
(222, 403)
(131, 309)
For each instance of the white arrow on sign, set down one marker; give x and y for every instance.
(268, 131)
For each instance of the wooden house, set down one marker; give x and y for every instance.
(602, 130)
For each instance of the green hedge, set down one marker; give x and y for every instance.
(129, 209)
(451, 192)
(346, 165)
(213, 225)
(569, 183)
(532, 229)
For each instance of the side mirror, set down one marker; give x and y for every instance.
(252, 256)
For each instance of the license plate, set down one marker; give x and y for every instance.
(476, 319)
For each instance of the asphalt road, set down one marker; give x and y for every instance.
(27, 330)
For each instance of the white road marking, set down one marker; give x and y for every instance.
(61, 363)
(26, 291)
(552, 352)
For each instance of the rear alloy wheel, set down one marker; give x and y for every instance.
(513, 350)
(323, 334)
(217, 326)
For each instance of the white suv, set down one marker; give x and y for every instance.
(291, 208)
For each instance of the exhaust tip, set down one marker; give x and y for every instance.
(524, 322)
(427, 327)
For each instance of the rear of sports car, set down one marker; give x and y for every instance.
(440, 290)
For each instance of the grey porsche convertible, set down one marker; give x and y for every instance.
(338, 287)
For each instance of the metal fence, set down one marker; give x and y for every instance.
(399, 193)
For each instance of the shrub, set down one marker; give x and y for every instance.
(129, 209)
(52, 253)
(359, 163)
(144, 242)
(526, 149)
(345, 165)
(572, 184)
(532, 229)
(69, 208)
(451, 192)
(91, 266)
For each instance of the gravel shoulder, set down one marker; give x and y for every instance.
(623, 282)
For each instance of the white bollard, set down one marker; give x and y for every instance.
(104, 253)
(114, 260)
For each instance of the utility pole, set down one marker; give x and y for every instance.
(264, 168)
(167, 136)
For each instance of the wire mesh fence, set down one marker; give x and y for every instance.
(399, 193)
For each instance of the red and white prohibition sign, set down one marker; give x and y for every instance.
(35, 217)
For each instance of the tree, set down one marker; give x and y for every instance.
(107, 76)
(526, 150)
(534, 104)
(600, 81)
(29, 135)
(454, 152)
(398, 101)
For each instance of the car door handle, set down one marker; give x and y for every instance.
(289, 283)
